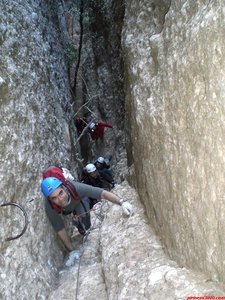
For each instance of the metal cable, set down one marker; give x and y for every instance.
(83, 244)
(25, 217)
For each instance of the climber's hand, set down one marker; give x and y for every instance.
(127, 208)
(73, 255)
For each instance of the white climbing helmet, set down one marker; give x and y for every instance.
(90, 168)
(92, 126)
(101, 160)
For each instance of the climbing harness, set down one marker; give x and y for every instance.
(25, 218)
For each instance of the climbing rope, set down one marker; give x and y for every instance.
(25, 217)
(85, 238)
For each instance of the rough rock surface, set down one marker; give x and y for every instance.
(34, 134)
(122, 259)
(174, 57)
(175, 110)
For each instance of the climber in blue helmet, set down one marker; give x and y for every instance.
(66, 197)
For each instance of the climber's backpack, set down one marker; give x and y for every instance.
(59, 173)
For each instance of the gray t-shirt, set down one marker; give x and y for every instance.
(83, 190)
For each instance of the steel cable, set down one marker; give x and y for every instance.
(25, 217)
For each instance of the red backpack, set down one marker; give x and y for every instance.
(57, 172)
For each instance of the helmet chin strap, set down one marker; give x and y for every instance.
(69, 200)
(68, 195)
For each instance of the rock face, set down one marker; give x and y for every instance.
(174, 117)
(102, 74)
(34, 133)
(174, 57)
(123, 259)
(35, 112)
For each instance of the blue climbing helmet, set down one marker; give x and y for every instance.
(49, 185)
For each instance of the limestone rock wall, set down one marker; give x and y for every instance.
(102, 75)
(123, 259)
(35, 111)
(174, 56)
(174, 112)
(34, 133)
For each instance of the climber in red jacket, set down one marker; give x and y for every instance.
(96, 129)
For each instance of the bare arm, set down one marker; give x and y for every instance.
(111, 197)
(104, 124)
(65, 239)
(126, 206)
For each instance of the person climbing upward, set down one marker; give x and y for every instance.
(65, 197)
(103, 167)
(93, 177)
(64, 175)
(96, 129)
(102, 162)
(80, 124)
